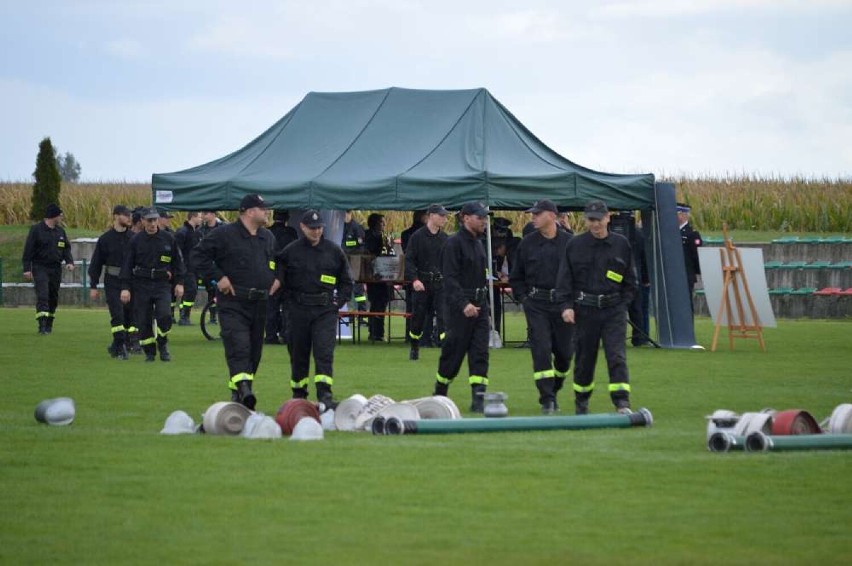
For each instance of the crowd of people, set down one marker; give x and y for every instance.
(286, 284)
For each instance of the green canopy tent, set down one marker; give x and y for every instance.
(398, 149)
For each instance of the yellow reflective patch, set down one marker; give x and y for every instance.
(272, 265)
(166, 258)
(330, 279)
(61, 244)
(351, 243)
(617, 277)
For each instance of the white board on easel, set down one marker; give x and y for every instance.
(712, 277)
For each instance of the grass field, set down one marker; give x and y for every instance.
(110, 490)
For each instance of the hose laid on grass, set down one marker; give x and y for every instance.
(293, 411)
(794, 421)
(759, 442)
(394, 426)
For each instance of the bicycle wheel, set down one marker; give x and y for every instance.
(208, 326)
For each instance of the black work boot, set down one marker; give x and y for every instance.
(581, 403)
(212, 318)
(477, 398)
(414, 353)
(622, 404)
(246, 397)
(163, 346)
(150, 352)
(133, 343)
(300, 392)
(324, 396)
(41, 324)
(441, 389)
(48, 324)
(546, 397)
(184, 317)
(121, 352)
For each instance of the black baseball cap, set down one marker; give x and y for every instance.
(121, 209)
(543, 205)
(312, 219)
(437, 209)
(596, 209)
(475, 208)
(252, 201)
(150, 213)
(52, 211)
(683, 207)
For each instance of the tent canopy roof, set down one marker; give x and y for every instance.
(397, 149)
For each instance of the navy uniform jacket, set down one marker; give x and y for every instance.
(537, 263)
(323, 268)
(597, 267)
(109, 251)
(423, 254)
(463, 265)
(187, 238)
(230, 250)
(46, 246)
(691, 241)
(353, 238)
(156, 251)
(284, 235)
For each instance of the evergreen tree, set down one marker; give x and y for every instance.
(47, 180)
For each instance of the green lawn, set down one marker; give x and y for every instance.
(110, 490)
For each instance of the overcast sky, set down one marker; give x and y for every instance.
(702, 87)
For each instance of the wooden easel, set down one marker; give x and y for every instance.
(732, 268)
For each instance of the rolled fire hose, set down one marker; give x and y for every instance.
(293, 411)
(347, 411)
(794, 421)
(436, 407)
(395, 426)
(371, 409)
(225, 417)
(759, 442)
(840, 421)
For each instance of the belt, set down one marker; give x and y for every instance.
(542, 294)
(314, 299)
(598, 301)
(476, 296)
(112, 270)
(156, 274)
(429, 276)
(252, 294)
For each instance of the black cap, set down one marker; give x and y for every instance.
(52, 211)
(252, 201)
(121, 209)
(683, 207)
(150, 213)
(543, 205)
(437, 209)
(163, 213)
(595, 209)
(312, 219)
(281, 216)
(475, 208)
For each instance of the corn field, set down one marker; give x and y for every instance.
(744, 202)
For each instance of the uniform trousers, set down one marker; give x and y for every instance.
(465, 336)
(152, 301)
(46, 280)
(607, 325)
(313, 328)
(242, 322)
(425, 305)
(378, 294)
(120, 315)
(551, 338)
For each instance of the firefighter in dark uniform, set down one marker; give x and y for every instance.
(315, 275)
(108, 258)
(378, 293)
(533, 282)
(464, 266)
(691, 241)
(353, 244)
(209, 222)
(152, 264)
(240, 258)
(187, 237)
(598, 281)
(47, 246)
(277, 309)
(423, 269)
